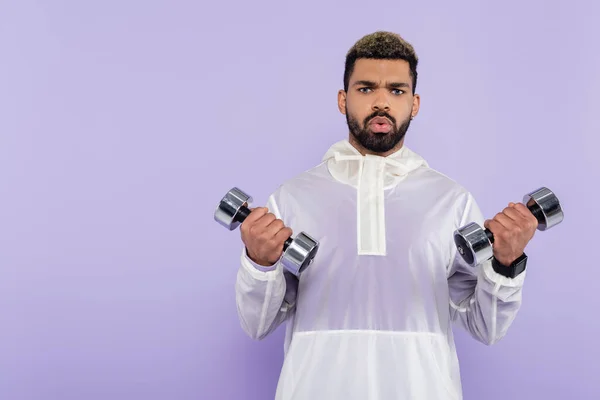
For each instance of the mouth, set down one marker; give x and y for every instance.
(380, 125)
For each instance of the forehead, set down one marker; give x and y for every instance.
(381, 71)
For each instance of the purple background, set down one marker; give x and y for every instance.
(123, 123)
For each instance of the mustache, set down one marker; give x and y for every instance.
(380, 114)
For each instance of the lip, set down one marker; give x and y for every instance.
(380, 120)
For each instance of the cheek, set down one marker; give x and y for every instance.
(359, 107)
(358, 111)
(406, 104)
(403, 109)
(358, 104)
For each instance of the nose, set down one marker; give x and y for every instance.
(381, 103)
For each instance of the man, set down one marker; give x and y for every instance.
(371, 317)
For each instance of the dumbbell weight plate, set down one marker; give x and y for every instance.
(473, 244)
(544, 204)
(299, 253)
(229, 208)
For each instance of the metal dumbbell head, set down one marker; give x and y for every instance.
(545, 206)
(474, 243)
(233, 209)
(298, 253)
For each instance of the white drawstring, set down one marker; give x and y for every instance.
(370, 202)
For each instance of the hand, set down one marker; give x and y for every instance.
(513, 228)
(264, 236)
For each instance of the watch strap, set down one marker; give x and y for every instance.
(512, 270)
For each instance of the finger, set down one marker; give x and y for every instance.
(255, 214)
(504, 220)
(275, 226)
(494, 226)
(524, 211)
(264, 221)
(282, 235)
(513, 214)
(530, 219)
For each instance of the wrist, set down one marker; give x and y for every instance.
(510, 269)
(507, 260)
(257, 261)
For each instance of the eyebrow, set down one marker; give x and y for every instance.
(391, 84)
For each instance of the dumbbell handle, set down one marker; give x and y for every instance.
(243, 213)
(535, 210)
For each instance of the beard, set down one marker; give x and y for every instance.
(377, 142)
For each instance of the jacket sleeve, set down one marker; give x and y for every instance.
(482, 301)
(265, 296)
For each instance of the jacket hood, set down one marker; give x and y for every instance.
(347, 165)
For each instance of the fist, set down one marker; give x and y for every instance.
(513, 228)
(264, 236)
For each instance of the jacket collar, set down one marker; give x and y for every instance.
(347, 164)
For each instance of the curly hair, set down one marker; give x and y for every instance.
(381, 45)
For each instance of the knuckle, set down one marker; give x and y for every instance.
(251, 230)
(273, 242)
(258, 235)
(503, 234)
(533, 225)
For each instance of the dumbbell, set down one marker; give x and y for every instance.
(298, 253)
(475, 244)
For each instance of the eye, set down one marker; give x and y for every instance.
(397, 91)
(364, 89)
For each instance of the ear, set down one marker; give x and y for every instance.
(415, 106)
(342, 101)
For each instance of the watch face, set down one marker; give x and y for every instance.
(512, 270)
(519, 265)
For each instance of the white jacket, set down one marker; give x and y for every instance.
(371, 317)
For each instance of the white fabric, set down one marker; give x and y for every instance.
(370, 175)
(372, 317)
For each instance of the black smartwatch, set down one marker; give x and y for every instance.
(513, 269)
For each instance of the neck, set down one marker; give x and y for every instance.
(364, 151)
